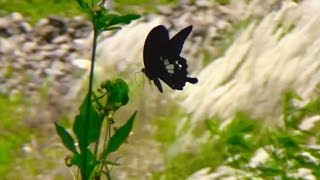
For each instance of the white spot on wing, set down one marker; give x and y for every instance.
(177, 63)
(171, 71)
(170, 66)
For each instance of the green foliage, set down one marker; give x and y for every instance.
(9, 71)
(142, 5)
(117, 91)
(292, 115)
(100, 108)
(10, 137)
(283, 27)
(116, 98)
(167, 126)
(79, 126)
(236, 143)
(108, 22)
(223, 2)
(166, 132)
(140, 2)
(104, 20)
(84, 6)
(26, 148)
(38, 9)
(119, 137)
(66, 138)
(207, 57)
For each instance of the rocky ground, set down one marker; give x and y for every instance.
(38, 62)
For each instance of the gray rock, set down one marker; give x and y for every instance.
(57, 22)
(29, 47)
(42, 22)
(25, 26)
(204, 4)
(66, 47)
(4, 30)
(59, 53)
(17, 16)
(165, 10)
(47, 33)
(48, 47)
(6, 47)
(61, 39)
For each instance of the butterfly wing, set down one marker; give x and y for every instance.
(176, 43)
(175, 73)
(175, 67)
(162, 58)
(156, 45)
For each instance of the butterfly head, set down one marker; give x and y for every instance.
(146, 73)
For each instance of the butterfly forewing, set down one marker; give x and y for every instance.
(176, 43)
(155, 45)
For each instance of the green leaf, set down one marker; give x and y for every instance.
(117, 93)
(316, 172)
(125, 19)
(66, 138)
(119, 137)
(77, 160)
(105, 21)
(213, 125)
(288, 142)
(238, 143)
(112, 28)
(92, 128)
(292, 115)
(84, 6)
(312, 107)
(96, 100)
(270, 171)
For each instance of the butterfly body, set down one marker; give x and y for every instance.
(162, 58)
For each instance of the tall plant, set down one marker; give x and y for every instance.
(98, 108)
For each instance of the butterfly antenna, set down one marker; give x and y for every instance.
(143, 81)
(131, 62)
(135, 79)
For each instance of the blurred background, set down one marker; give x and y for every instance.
(245, 53)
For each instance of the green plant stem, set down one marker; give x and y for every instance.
(87, 123)
(106, 138)
(108, 172)
(96, 147)
(108, 133)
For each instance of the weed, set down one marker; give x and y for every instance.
(98, 108)
(288, 147)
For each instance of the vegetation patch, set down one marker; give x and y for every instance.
(235, 144)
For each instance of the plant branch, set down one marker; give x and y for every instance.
(87, 123)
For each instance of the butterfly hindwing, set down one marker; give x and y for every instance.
(162, 58)
(175, 74)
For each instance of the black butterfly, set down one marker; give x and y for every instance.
(162, 58)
